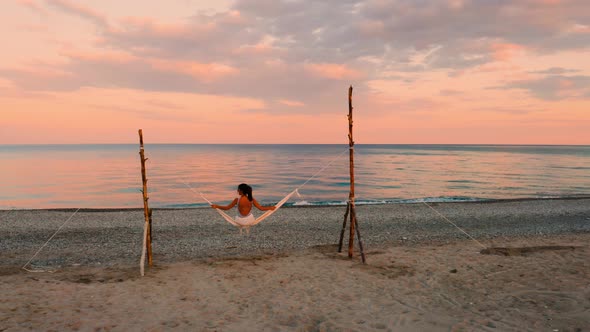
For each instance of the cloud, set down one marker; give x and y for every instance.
(547, 2)
(100, 56)
(205, 72)
(555, 71)
(508, 110)
(307, 51)
(390, 30)
(505, 51)
(332, 71)
(449, 92)
(75, 8)
(418, 24)
(292, 103)
(265, 47)
(577, 28)
(554, 87)
(33, 6)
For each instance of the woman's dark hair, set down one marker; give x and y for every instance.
(246, 190)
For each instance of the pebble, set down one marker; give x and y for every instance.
(113, 237)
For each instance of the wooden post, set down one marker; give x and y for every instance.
(146, 209)
(351, 156)
(350, 206)
(343, 227)
(358, 234)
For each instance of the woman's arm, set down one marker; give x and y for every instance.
(262, 208)
(231, 205)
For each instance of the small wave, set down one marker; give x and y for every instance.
(319, 203)
(467, 181)
(442, 199)
(182, 205)
(306, 203)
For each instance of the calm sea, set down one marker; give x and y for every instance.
(108, 176)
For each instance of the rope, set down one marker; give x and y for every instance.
(452, 223)
(323, 168)
(43, 246)
(195, 193)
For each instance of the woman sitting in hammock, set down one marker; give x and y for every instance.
(244, 202)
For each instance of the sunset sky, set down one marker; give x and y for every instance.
(277, 71)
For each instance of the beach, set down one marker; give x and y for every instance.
(453, 134)
(422, 273)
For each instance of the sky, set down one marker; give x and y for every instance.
(278, 71)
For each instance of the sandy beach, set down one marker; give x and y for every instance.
(422, 274)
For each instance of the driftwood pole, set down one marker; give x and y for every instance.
(147, 240)
(343, 227)
(350, 206)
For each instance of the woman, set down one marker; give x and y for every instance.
(245, 202)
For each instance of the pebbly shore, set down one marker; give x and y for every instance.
(114, 237)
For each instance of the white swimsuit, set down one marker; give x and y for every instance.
(245, 220)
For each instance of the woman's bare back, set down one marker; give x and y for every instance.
(244, 205)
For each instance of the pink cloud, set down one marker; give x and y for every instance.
(547, 2)
(291, 103)
(40, 71)
(332, 71)
(505, 51)
(565, 83)
(263, 47)
(205, 72)
(161, 29)
(6, 84)
(498, 67)
(456, 4)
(119, 57)
(232, 17)
(254, 49)
(580, 29)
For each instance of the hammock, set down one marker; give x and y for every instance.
(257, 220)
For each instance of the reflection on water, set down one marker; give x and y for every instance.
(109, 175)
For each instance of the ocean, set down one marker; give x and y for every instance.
(109, 176)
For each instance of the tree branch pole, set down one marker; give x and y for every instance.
(350, 206)
(146, 210)
(343, 227)
(351, 158)
(358, 234)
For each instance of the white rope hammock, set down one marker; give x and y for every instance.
(234, 221)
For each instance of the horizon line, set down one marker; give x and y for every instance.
(415, 144)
